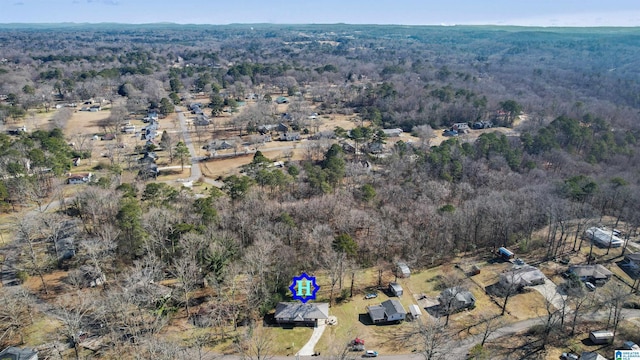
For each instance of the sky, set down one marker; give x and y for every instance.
(407, 12)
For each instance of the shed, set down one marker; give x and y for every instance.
(505, 253)
(415, 311)
(402, 270)
(601, 337)
(588, 355)
(395, 289)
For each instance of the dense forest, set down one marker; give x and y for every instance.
(570, 95)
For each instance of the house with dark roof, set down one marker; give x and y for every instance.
(455, 299)
(388, 311)
(633, 260)
(79, 178)
(290, 136)
(306, 314)
(592, 273)
(14, 353)
(148, 171)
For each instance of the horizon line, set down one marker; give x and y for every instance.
(312, 24)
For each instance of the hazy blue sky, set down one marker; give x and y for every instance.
(414, 12)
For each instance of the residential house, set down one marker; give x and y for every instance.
(92, 276)
(220, 145)
(596, 274)
(461, 128)
(263, 129)
(14, 353)
(201, 120)
(402, 270)
(482, 125)
(129, 129)
(519, 278)
(290, 136)
(392, 132)
(603, 237)
(387, 311)
(79, 178)
(374, 147)
(395, 289)
(146, 159)
(307, 314)
(455, 299)
(348, 148)
(148, 171)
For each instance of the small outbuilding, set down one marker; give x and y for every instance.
(505, 253)
(395, 289)
(415, 311)
(402, 270)
(589, 355)
(601, 337)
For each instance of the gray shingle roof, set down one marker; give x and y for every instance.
(300, 311)
(596, 271)
(376, 312)
(393, 306)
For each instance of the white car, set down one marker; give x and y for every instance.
(370, 353)
(590, 286)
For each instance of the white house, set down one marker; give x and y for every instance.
(603, 237)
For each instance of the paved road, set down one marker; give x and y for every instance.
(195, 167)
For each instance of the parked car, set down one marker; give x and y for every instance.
(450, 133)
(630, 345)
(569, 356)
(371, 296)
(371, 353)
(590, 286)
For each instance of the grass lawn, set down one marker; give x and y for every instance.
(43, 330)
(288, 341)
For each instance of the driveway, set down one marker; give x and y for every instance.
(550, 292)
(307, 349)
